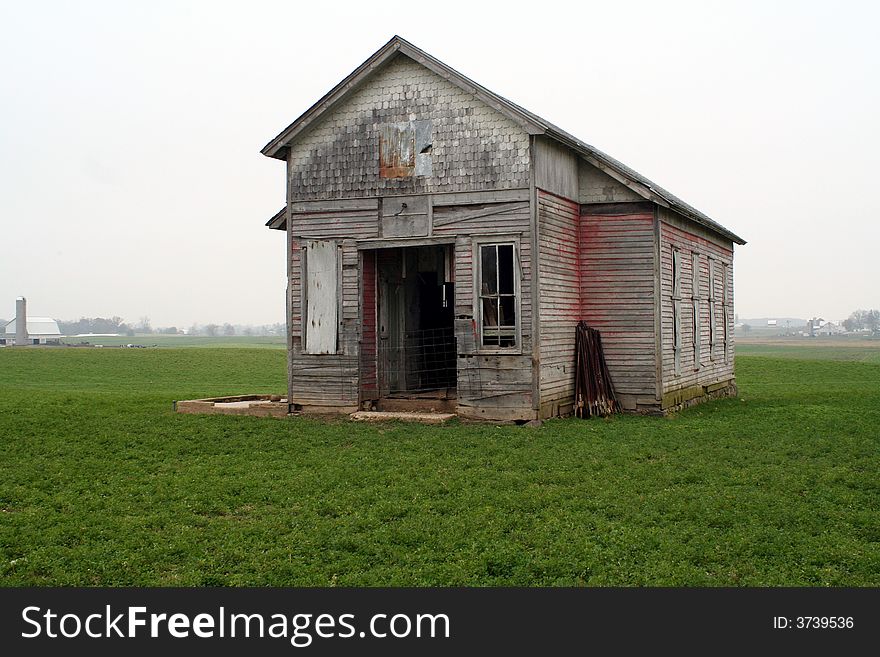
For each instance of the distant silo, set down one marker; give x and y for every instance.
(21, 332)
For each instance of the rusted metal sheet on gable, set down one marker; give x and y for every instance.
(397, 151)
(405, 149)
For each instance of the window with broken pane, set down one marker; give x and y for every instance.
(498, 295)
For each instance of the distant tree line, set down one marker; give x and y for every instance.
(145, 327)
(213, 330)
(863, 320)
(95, 325)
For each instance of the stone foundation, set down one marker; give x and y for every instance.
(676, 400)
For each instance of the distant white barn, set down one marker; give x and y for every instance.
(34, 330)
(830, 328)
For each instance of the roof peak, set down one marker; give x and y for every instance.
(531, 123)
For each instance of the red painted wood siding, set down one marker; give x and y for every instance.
(368, 348)
(617, 283)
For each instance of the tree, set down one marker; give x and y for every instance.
(143, 325)
(211, 330)
(746, 329)
(95, 325)
(861, 320)
(228, 329)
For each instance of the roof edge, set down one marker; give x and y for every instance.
(531, 123)
(639, 184)
(277, 147)
(278, 220)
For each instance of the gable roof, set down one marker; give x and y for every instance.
(36, 326)
(531, 123)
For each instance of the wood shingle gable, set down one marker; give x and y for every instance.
(529, 122)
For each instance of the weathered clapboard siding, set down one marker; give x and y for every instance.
(617, 283)
(712, 366)
(595, 186)
(327, 379)
(369, 381)
(560, 299)
(464, 280)
(329, 221)
(473, 145)
(487, 219)
(296, 296)
(556, 168)
(331, 379)
(490, 386)
(324, 380)
(495, 387)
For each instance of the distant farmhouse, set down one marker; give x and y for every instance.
(29, 330)
(443, 243)
(819, 326)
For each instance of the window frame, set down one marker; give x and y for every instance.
(476, 253)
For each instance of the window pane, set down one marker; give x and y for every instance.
(507, 340)
(508, 311)
(497, 289)
(490, 312)
(489, 284)
(505, 268)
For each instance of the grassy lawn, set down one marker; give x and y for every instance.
(101, 484)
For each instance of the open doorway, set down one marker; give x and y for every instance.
(415, 355)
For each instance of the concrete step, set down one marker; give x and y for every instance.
(384, 416)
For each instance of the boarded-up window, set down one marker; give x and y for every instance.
(676, 275)
(676, 334)
(725, 304)
(695, 301)
(405, 149)
(321, 272)
(498, 303)
(676, 310)
(713, 316)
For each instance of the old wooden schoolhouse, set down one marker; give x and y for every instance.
(443, 243)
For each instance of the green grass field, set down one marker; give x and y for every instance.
(101, 484)
(159, 340)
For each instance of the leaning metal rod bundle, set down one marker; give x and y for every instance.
(594, 393)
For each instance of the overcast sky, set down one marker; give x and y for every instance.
(131, 181)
